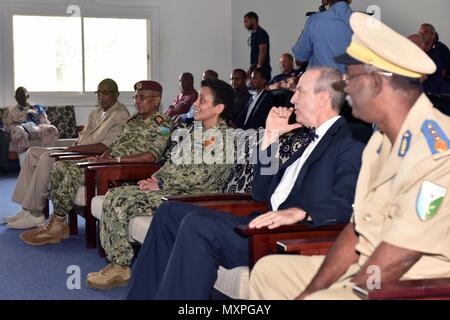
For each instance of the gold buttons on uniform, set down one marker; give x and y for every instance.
(367, 218)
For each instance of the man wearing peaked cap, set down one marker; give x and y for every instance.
(401, 213)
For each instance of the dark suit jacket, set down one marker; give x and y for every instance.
(325, 186)
(257, 118)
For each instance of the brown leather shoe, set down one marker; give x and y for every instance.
(111, 276)
(54, 231)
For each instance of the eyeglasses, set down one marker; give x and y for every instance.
(104, 92)
(341, 84)
(143, 97)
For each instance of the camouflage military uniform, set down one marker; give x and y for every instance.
(29, 123)
(138, 136)
(124, 203)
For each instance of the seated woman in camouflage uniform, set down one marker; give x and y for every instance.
(214, 106)
(25, 122)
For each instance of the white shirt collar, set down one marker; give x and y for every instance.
(324, 127)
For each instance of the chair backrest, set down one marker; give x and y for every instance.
(63, 118)
(241, 176)
(282, 97)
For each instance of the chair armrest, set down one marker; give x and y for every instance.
(407, 289)
(236, 204)
(72, 157)
(212, 197)
(307, 247)
(263, 241)
(62, 153)
(245, 231)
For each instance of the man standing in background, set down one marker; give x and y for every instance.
(259, 43)
(326, 35)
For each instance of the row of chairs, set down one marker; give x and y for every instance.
(299, 238)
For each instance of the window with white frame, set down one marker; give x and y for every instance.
(73, 54)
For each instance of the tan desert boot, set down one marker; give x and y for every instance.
(112, 276)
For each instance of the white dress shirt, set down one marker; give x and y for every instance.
(286, 184)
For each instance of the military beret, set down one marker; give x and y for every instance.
(373, 43)
(148, 85)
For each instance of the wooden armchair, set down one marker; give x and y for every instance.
(234, 283)
(59, 155)
(265, 241)
(99, 177)
(421, 289)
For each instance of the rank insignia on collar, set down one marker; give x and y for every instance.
(159, 120)
(404, 144)
(436, 138)
(429, 201)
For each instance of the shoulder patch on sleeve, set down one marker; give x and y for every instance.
(429, 200)
(164, 130)
(436, 138)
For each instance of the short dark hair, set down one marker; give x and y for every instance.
(188, 76)
(263, 73)
(211, 74)
(20, 89)
(407, 84)
(223, 93)
(110, 83)
(428, 25)
(252, 15)
(242, 72)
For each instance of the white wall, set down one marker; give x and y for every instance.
(284, 20)
(195, 35)
(406, 16)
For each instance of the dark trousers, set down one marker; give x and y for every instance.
(183, 249)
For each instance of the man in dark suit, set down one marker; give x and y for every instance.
(186, 244)
(254, 115)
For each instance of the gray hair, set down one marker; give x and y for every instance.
(327, 77)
